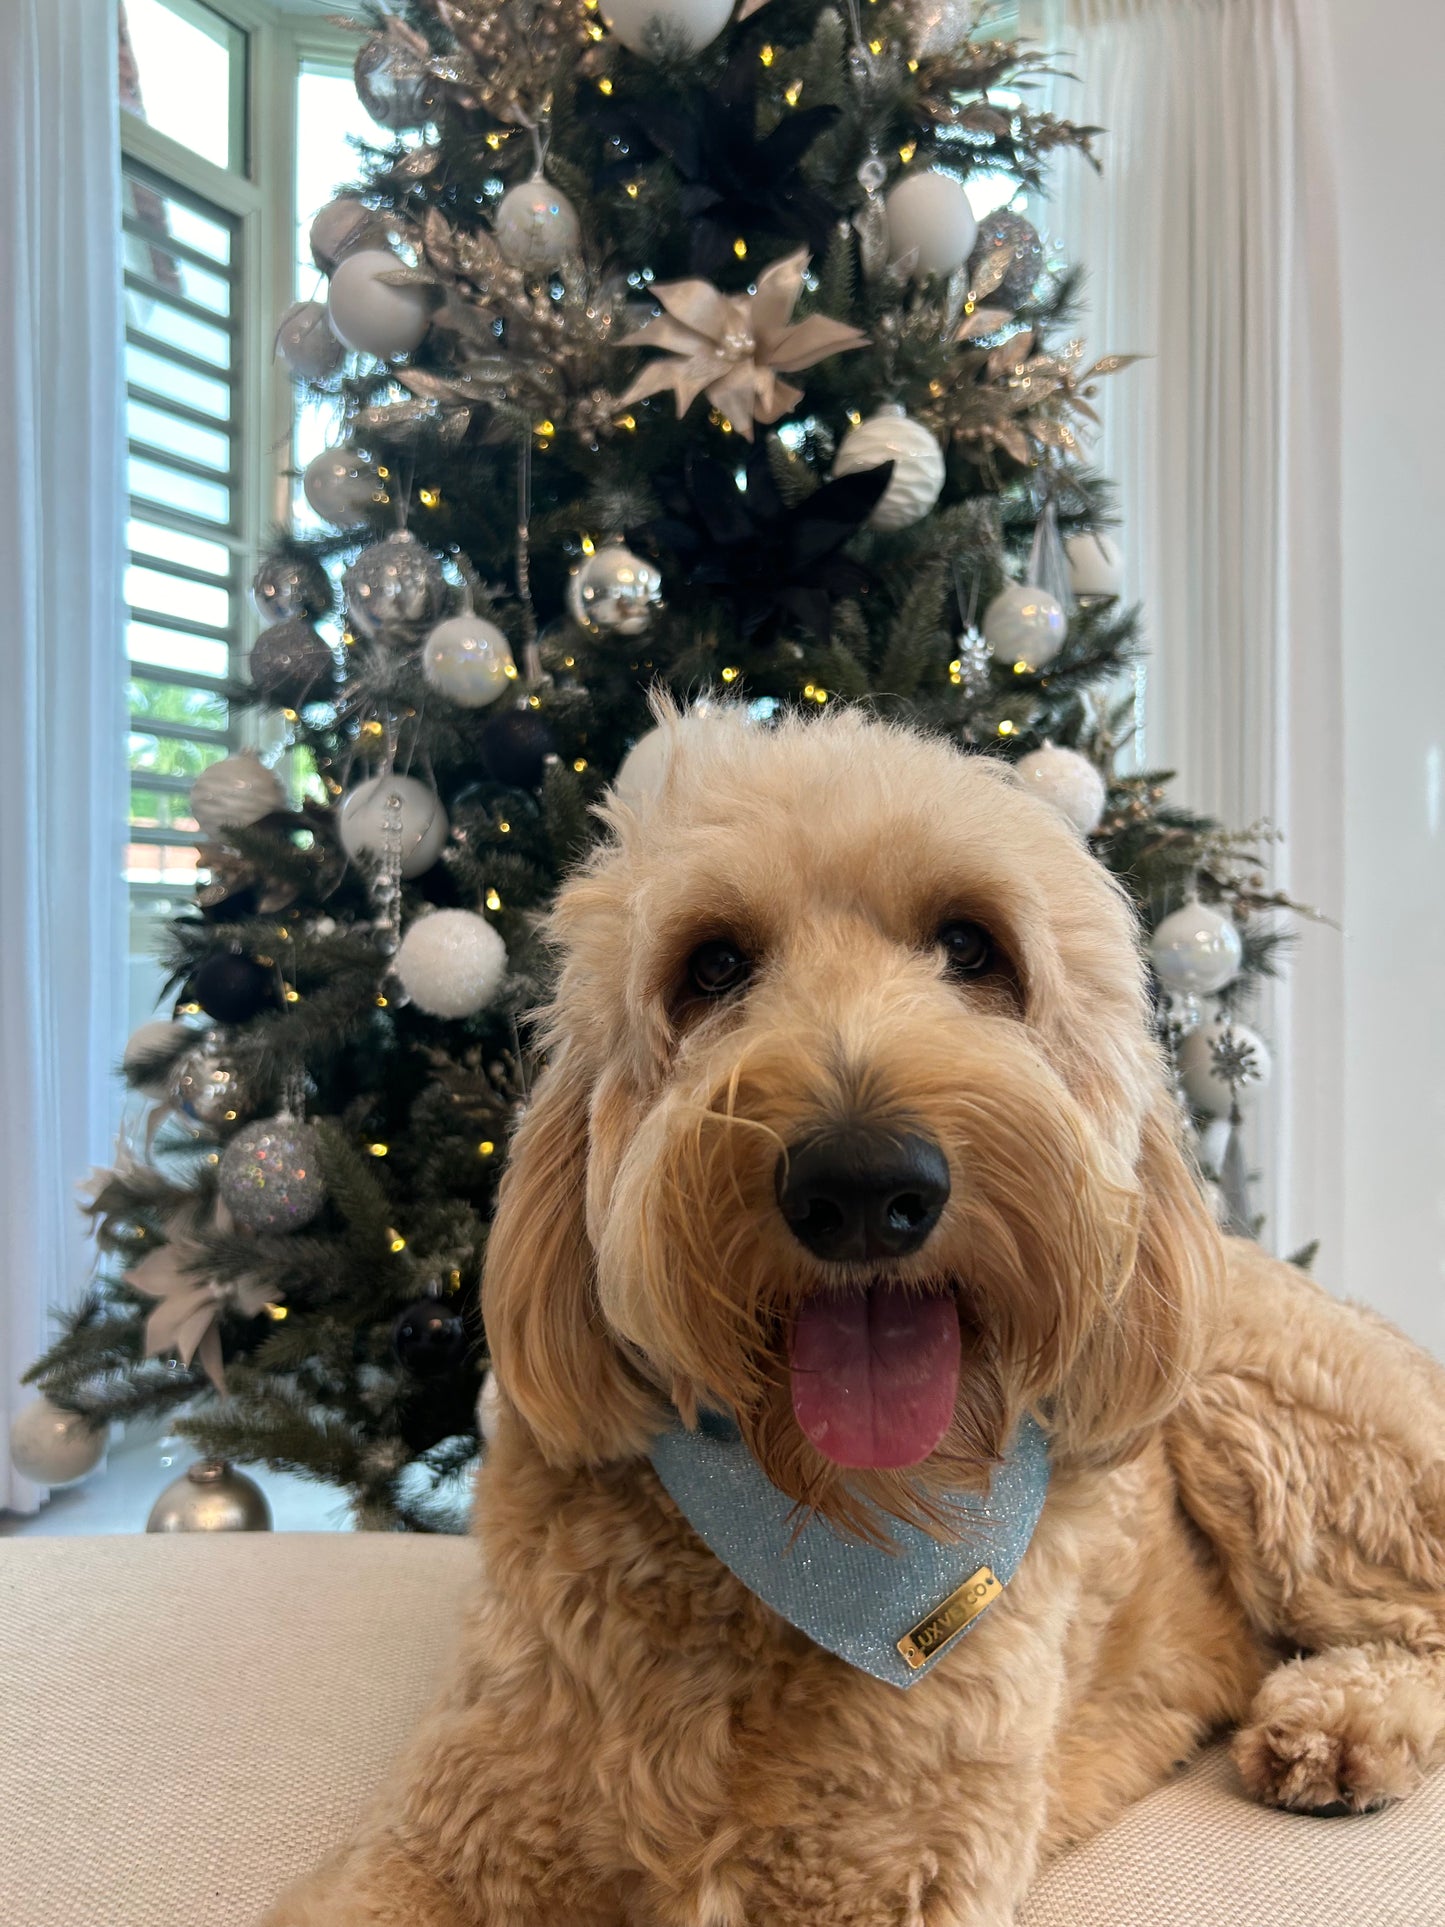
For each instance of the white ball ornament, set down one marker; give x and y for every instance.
(53, 1447)
(306, 343)
(234, 793)
(693, 23)
(469, 661)
(1196, 951)
(536, 226)
(1067, 780)
(371, 317)
(384, 806)
(930, 218)
(144, 1046)
(451, 963)
(1096, 568)
(340, 227)
(918, 468)
(615, 590)
(1025, 625)
(1199, 1073)
(342, 487)
(643, 770)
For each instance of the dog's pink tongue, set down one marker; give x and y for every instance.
(875, 1374)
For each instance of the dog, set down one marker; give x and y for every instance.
(856, 1151)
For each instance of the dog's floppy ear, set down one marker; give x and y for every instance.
(551, 1350)
(1147, 1344)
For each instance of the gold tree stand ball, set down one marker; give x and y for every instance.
(211, 1496)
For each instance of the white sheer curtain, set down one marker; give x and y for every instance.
(1210, 240)
(62, 775)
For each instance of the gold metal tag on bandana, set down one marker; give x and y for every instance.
(947, 1621)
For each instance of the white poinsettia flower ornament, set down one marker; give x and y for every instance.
(734, 347)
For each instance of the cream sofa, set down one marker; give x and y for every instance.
(186, 1723)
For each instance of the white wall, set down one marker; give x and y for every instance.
(1389, 61)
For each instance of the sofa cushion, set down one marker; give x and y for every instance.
(187, 1723)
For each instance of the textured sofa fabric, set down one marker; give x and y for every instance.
(187, 1723)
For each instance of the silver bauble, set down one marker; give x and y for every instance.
(1068, 781)
(1005, 229)
(400, 804)
(1025, 626)
(931, 219)
(341, 227)
(536, 226)
(210, 1091)
(394, 84)
(693, 24)
(1200, 1076)
(616, 591)
(306, 343)
(394, 590)
(291, 664)
(451, 963)
(234, 793)
(916, 483)
(371, 315)
(211, 1496)
(152, 1040)
(53, 1447)
(469, 661)
(291, 585)
(342, 487)
(1196, 951)
(270, 1175)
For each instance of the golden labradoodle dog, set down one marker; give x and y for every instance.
(855, 1154)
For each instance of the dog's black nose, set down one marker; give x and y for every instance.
(859, 1192)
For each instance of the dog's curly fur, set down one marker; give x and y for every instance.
(1246, 1525)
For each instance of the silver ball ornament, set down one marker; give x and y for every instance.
(210, 1091)
(394, 589)
(306, 343)
(291, 664)
(270, 1175)
(1201, 1079)
(371, 316)
(694, 24)
(342, 487)
(383, 806)
(291, 585)
(1196, 951)
(1069, 782)
(145, 1045)
(469, 661)
(53, 1447)
(340, 227)
(1025, 626)
(615, 590)
(1005, 229)
(1096, 568)
(451, 963)
(918, 467)
(930, 218)
(394, 84)
(211, 1496)
(234, 793)
(536, 226)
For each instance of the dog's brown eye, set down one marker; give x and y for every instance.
(717, 967)
(967, 948)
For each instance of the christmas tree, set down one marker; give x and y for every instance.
(668, 348)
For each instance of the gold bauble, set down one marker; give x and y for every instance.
(211, 1496)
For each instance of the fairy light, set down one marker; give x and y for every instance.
(276, 1313)
(190, 1010)
(766, 56)
(494, 141)
(429, 497)
(1005, 728)
(808, 689)
(632, 190)
(820, 696)
(907, 151)
(381, 1002)
(604, 86)
(372, 729)
(384, 473)
(730, 674)
(397, 1242)
(740, 248)
(511, 672)
(875, 46)
(1022, 668)
(913, 66)
(854, 417)
(569, 662)
(955, 670)
(378, 1150)
(492, 900)
(485, 1148)
(794, 93)
(534, 702)
(580, 764)
(290, 715)
(292, 996)
(504, 826)
(629, 422)
(547, 430)
(589, 547)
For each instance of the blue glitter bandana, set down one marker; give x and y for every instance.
(891, 1613)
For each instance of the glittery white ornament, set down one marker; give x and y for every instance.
(469, 661)
(148, 1043)
(451, 963)
(694, 24)
(270, 1175)
(1208, 1092)
(615, 590)
(918, 470)
(1067, 780)
(929, 217)
(394, 84)
(421, 822)
(1096, 568)
(339, 228)
(370, 316)
(1024, 624)
(234, 793)
(536, 226)
(342, 487)
(1196, 951)
(53, 1447)
(306, 343)
(394, 589)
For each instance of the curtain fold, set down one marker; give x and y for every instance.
(62, 771)
(1210, 241)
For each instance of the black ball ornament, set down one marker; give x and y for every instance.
(234, 988)
(515, 747)
(291, 665)
(430, 1338)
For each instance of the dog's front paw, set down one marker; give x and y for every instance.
(1341, 1732)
